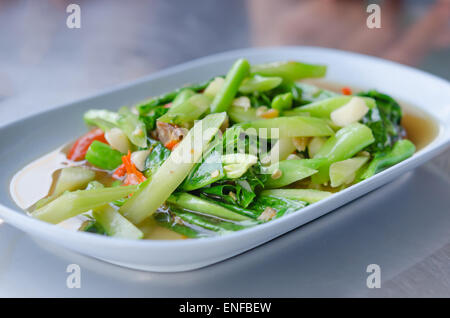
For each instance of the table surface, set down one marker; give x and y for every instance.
(404, 227)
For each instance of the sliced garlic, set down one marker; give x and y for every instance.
(349, 113)
(276, 174)
(293, 157)
(268, 214)
(314, 145)
(138, 158)
(235, 165)
(300, 143)
(261, 110)
(215, 174)
(343, 172)
(214, 87)
(243, 102)
(117, 140)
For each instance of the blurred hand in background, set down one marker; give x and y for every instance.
(342, 25)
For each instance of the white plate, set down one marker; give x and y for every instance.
(25, 140)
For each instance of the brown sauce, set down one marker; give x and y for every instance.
(36, 180)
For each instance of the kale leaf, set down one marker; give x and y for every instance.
(155, 159)
(384, 120)
(282, 206)
(150, 118)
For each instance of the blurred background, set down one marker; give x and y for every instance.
(43, 63)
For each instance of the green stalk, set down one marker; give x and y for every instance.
(307, 195)
(173, 171)
(258, 83)
(325, 107)
(115, 224)
(211, 224)
(343, 172)
(343, 145)
(184, 113)
(102, 118)
(103, 156)
(233, 80)
(241, 115)
(290, 70)
(194, 203)
(182, 97)
(296, 126)
(280, 151)
(403, 149)
(166, 98)
(70, 179)
(291, 171)
(73, 178)
(282, 102)
(71, 204)
(166, 221)
(133, 127)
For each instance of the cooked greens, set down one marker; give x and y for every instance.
(225, 155)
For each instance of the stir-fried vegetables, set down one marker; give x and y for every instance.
(224, 155)
(173, 171)
(233, 80)
(103, 156)
(73, 203)
(290, 70)
(81, 146)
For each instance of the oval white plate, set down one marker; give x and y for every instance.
(23, 141)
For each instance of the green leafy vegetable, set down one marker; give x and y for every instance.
(103, 156)
(133, 127)
(173, 171)
(310, 93)
(402, 150)
(233, 80)
(384, 120)
(283, 101)
(307, 195)
(343, 172)
(290, 70)
(155, 159)
(325, 107)
(185, 112)
(267, 207)
(92, 226)
(240, 191)
(296, 126)
(73, 203)
(190, 202)
(343, 145)
(166, 98)
(174, 223)
(114, 224)
(208, 171)
(258, 83)
(151, 117)
(211, 223)
(288, 171)
(102, 118)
